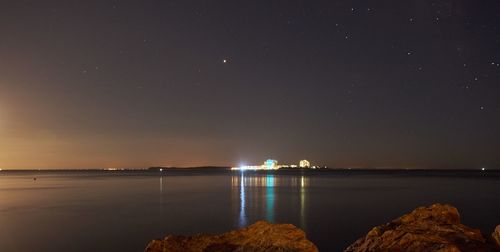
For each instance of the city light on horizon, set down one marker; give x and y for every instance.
(271, 164)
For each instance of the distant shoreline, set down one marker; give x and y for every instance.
(219, 168)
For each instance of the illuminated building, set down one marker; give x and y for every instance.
(304, 164)
(271, 164)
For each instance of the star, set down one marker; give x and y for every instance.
(224, 61)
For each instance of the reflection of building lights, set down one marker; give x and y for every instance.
(270, 197)
(257, 192)
(302, 202)
(243, 221)
(161, 185)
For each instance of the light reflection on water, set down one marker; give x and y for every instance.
(108, 211)
(243, 217)
(270, 198)
(303, 201)
(259, 192)
(161, 195)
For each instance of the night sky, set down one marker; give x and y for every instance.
(89, 84)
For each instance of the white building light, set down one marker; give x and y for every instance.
(304, 164)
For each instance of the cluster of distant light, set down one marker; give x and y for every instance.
(114, 169)
(272, 164)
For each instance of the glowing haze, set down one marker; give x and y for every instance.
(95, 84)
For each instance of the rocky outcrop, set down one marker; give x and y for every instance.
(496, 236)
(261, 236)
(434, 228)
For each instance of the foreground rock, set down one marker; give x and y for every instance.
(496, 236)
(261, 236)
(434, 228)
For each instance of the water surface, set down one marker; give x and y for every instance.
(123, 210)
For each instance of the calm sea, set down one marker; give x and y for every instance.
(123, 210)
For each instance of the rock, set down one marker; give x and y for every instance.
(260, 236)
(433, 228)
(496, 236)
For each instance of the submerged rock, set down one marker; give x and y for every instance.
(260, 236)
(433, 228)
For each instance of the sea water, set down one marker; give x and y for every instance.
(124, 210)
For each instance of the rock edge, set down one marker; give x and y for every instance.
(260, 236)
(433, 228)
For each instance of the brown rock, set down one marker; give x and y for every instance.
(496, 236)
(434, 228)
(260, 236)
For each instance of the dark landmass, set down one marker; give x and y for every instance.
(158, 168)
(324, 168)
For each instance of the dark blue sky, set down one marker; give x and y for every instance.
(341, 83)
